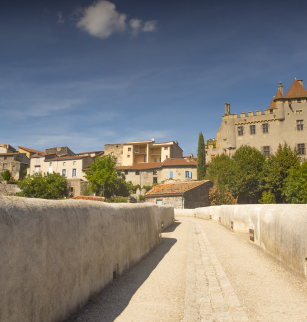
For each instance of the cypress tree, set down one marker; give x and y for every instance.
(201, 160)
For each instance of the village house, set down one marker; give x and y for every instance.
(6, 148)
(284, 120)
(181, 195)
(128, 154)
(71, 167)
(29, 152)
(145, 174)
(14, 162)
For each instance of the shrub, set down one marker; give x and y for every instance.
(6, 175)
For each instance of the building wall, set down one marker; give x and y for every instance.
(55, 255)
(198, 197)
(76, 187)
(178, 173)
(145, 177)
(62, 151)
(116, 150)
(175, 202)
(58, 165)
(280, 129)
(16, 164)
(176, 151)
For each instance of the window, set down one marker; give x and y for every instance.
(299, 112)
(128, 156)
(155, 160)
(170, 174)
(126, 172)
(64, 172)
(299, 125)
(253, 129)
(165, 148)
(188, 174)
(212, 156)
(301, 148)
(64, 163)
(37, 160)
(240, 130)
(5, 158)
(266, 151)
(155, 172)
(298, 101)
(166, 157)
(265, 128)
(271, 111)
(115, 160)
(71, 189)
(37, 169)
(159, 202)
(50, 170)
(50, 164)
(74, 172)
(129, 149)
(75, 162)
(155, 180)
(4, 165)
(137, 172)
(13, 167)
(145, 158)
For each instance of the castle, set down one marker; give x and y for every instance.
(284, 121)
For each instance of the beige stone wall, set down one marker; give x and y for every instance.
(178, 173)
(176, 202)
(55, 255)
(116, 150)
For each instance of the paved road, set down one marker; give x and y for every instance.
(201, 272)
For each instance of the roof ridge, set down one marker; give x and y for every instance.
(296, 90)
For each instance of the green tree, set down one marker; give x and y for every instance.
(102, 176)
(248, 164)
(267, 198)
(6, 175)
(47, 186)
(295, 185)
(201, 158)
(276, 170)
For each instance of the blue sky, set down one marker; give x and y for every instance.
(83, 73)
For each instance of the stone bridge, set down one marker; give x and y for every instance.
(85, 261)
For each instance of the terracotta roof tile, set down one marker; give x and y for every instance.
(174, 188)
(89, 198)
(33, 151)
(278, 95)
(272, 105)
(178, 161)
(296, 91)
(70, 157)
(141, 166)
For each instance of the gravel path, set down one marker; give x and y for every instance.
(201, 272)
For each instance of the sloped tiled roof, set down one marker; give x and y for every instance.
(278, 95)
(31, 150)
(73, 157)
(296, 91)
(173, 188)
(272, 105)
(141, 166)
(178, 161)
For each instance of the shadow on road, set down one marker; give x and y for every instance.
(110, 303)
(172, 227)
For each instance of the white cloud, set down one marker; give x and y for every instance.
(135, 25)
(101, 19)
(60, 17)
(150, 26)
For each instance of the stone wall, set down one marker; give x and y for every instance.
(279, 230)
(55, 255)
(116, 150)
(175, 202)
(62, 151)
(198, 197)
(9, 189)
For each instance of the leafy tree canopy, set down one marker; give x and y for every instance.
(248, 164)
(201, 158)
(276, 169)
(47, 186)
(267, 198)
(295, 185)
(103, 175)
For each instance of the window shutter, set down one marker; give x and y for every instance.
(190, 174)
(170, 174)
(76, 172)
(72, 172)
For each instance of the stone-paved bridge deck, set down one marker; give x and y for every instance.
(201, 272)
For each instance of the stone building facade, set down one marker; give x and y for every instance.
(61, 151)
(285, 120)
(16, 163)
(145, 174)
(181, 195)
(128, 154)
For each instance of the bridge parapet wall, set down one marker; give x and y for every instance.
(280, 230)
(55, 255)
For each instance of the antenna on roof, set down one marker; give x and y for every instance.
(295, 77)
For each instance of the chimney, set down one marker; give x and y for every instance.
(281, 88)
(300, 81)
(227, 108)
